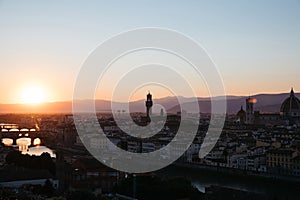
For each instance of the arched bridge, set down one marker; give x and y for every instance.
(15, 131)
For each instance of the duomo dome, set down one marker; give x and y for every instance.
(291, 106)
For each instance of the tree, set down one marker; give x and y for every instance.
(31, 162)
(48, 189)
(155, 188)
(13, 157)
(81, 195)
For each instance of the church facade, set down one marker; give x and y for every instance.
(289, 113)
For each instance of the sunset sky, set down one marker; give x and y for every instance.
(255, 44)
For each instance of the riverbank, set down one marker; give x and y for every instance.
(238, 172)
(203, 177)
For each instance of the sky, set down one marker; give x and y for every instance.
(43, 44)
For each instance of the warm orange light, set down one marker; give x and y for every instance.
(33, 95)
(37, 141)
(252, 100)
(7, 141)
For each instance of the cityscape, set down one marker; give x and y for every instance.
(253, 145)
(138, 100)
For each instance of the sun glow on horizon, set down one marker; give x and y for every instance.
(33, 95)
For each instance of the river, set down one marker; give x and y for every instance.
(24, 145)
(202, 178)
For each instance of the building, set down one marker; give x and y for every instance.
(89, 173)
(289, 113)
(241, 115)
(268, 118)
(137, 146)
(290, 108)
(16, 176)
(250, 110)
(149, 104)
(296, 165)
(280, 161)
(161, 112)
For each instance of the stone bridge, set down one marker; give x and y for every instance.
(14, 131)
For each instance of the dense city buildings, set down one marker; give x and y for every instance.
(254, 144)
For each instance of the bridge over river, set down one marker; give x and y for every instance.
(16, 131)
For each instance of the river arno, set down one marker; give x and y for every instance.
(202, 178)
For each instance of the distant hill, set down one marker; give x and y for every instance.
(267, 103)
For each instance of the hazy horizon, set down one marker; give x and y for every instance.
(161, 97)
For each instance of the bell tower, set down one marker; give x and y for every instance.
(249, 110)
(149, 104)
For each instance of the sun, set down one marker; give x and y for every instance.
(33, 95)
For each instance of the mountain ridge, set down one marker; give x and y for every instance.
(266, 103)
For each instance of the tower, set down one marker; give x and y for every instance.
(149, 104)
(161, 112)
(250, 110)
(242, 115)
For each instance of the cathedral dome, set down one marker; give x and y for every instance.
(291, 106)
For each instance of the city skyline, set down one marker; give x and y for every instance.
(149, 99)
